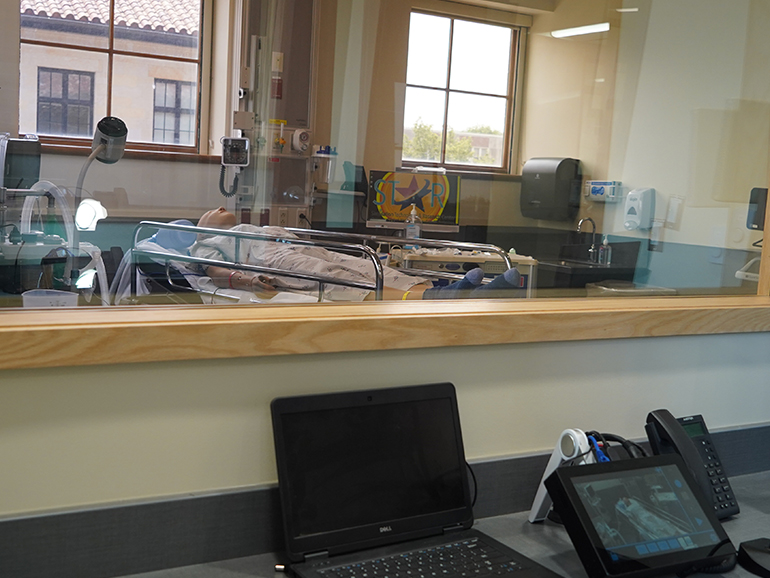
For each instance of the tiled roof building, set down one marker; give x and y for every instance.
(174, 16)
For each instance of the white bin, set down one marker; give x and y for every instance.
(49, 298)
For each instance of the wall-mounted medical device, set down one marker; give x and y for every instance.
(300, 140)
(572, 446)
(603, 191)
(639, 209)
(755, 220)
(550, 188)
(235, 151)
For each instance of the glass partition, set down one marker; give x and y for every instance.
(588, 148)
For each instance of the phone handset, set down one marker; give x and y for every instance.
(689, 438)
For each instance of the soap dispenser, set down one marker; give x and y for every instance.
(639, 209)
(413, 228)
(605, 252)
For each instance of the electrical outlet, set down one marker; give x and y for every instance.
(283, 217)
(301, 218)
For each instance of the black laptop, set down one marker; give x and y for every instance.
(374, 484)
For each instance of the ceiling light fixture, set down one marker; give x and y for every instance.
(580, 30)
(626, 9)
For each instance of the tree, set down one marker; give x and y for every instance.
(425, 145)
(458, 150)
(483, 129)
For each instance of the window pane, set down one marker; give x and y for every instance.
(170, 100)
(186, 129)
(481, 55)
(186, 97)
(161, 28)
(85, 87)
(477, 125)
(185, 122)
(159, 122)
(73, 87)
(44, 83)
(42, 73)
(57, 82)
(73, 23)
(135, 95)
(428, 50)
(78, 120)
(160, 93)
(44, 117)
(423, 124)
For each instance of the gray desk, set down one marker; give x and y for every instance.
(545, 543)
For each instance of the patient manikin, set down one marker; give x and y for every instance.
(317, 260)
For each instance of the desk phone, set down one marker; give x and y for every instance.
(689, 437)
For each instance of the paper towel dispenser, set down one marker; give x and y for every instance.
(550, 188)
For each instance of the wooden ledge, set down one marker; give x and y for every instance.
(50, 338)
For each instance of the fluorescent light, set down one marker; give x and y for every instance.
(590, 29)
(626, 9)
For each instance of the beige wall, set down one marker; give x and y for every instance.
(9, 72)
(141, 189)
(92, 435)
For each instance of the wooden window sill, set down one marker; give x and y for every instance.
(50, 338)
(156, 154)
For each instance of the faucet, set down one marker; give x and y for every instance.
(593, 254)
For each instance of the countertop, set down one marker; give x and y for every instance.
(546, 543)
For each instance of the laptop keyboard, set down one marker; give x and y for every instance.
(463, 559)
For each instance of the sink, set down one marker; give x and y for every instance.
(576, 273)
(578, 263)
(573, 268)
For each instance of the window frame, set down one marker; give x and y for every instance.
(513, 98)
(177, 110)
(201, 145)
(66, 73)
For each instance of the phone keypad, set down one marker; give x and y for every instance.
(723, 493)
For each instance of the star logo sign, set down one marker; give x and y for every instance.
(412, 196)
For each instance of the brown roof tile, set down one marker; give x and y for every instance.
(181, 16)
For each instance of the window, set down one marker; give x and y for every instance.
(118, 49)
(65, 101)
(174, 112)
(459, 92)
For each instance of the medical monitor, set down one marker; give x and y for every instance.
(638, 517)
(436, 197)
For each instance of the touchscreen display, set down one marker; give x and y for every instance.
(645, 512)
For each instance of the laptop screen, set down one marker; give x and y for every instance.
(369, 466)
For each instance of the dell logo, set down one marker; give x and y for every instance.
(384, 529)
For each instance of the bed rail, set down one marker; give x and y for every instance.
(322, 280)
(356, 244)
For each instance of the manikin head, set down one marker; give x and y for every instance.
(217, 219)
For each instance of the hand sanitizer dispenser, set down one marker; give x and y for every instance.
(639, 209)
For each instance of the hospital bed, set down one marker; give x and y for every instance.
(177, 265)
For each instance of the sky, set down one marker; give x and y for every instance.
(479, 53)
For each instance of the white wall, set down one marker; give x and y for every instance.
(692, 114)
(92, 435)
